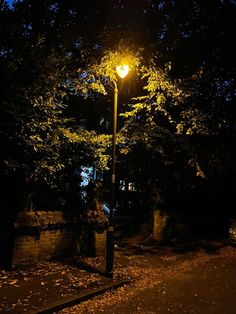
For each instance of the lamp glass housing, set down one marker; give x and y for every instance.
(122, 70)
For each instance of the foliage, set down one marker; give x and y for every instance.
(94, 147)
(95, 219)
(39, 143)
(150, 128)
(106, 68)
(159, 125)
(178, 144)
(98, 75)
(182, 83)
(160, 104)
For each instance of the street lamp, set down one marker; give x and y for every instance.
(122, 70)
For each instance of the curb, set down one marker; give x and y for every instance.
(57, 306)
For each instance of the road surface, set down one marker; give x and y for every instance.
(197, 283)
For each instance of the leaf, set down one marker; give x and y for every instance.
(13, 282)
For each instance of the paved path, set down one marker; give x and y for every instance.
(206, 289)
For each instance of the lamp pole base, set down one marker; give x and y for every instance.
(110, 252)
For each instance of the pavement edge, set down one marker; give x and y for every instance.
(57, 306)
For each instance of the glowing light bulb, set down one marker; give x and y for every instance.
(122, 70)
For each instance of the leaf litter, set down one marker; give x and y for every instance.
(67, 279)
(144, 274)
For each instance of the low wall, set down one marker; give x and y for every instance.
(34, 245)
(100, 243)
(27, 245)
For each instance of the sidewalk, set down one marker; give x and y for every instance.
(50, 286)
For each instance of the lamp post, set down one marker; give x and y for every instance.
(122, 71)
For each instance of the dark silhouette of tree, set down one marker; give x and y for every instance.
(179, 132)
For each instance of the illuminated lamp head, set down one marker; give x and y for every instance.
(122, 70)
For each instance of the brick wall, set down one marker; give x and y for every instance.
(24, 243)
(42, 245)
(100, 243)
(29, 246)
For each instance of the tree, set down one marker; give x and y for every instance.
(188, 75)
(183, 146)
(40, 146)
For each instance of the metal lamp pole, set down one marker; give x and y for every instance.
(110, 231)
(122, 71)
